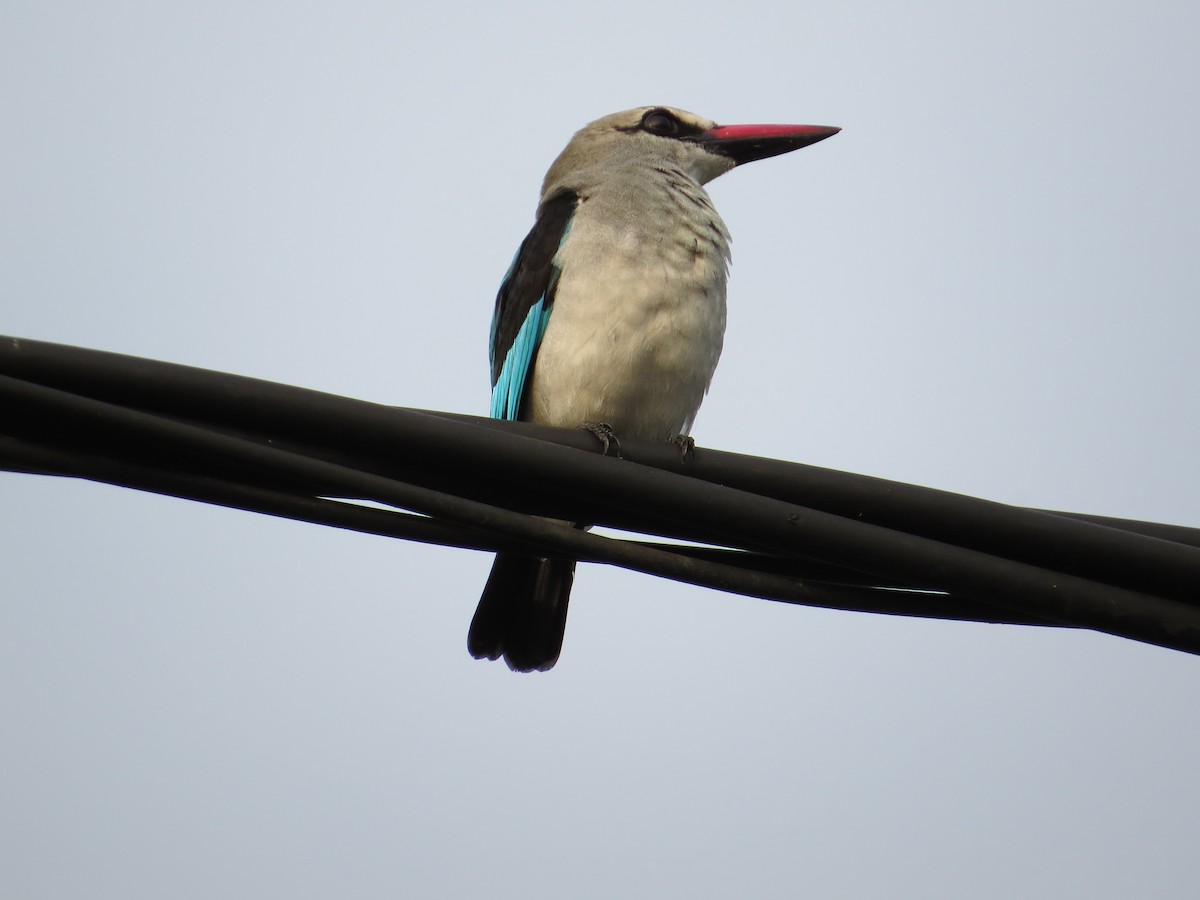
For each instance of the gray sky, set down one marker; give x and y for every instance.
(987, 283)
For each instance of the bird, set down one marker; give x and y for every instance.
(612, 317)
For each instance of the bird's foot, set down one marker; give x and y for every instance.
(687, 447)
(604, 434)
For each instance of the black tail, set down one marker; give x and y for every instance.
(523, 612)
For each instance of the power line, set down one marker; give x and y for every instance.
(771, 529)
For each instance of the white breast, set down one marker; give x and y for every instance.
(639, 315)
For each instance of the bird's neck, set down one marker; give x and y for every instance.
(664, 209)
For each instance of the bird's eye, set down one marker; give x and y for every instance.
(659, 122)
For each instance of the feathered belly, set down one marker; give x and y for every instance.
(638, 361)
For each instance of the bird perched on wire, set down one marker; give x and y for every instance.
(612, 316)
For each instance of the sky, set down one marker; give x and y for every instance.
(986, 283)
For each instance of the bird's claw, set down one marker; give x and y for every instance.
(604, 434)
(687, 447)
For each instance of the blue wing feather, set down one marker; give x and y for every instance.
(510, 386)
(524, 304)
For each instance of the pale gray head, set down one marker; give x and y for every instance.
(663, 136)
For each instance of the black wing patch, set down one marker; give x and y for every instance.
(524, 302)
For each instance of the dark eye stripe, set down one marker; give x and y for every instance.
(658, 121)
(664, 123)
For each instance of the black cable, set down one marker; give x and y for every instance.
(743, 573)
(770, 523)
(496, 462)
(70, 411)
(381, 436)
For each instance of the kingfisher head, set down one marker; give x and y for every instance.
(669, 137)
